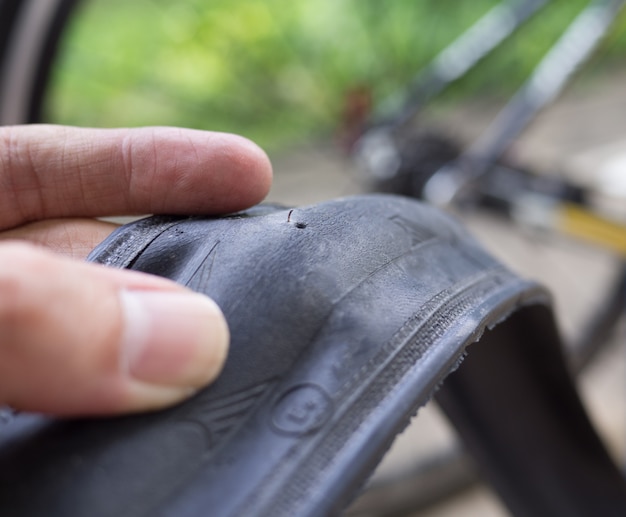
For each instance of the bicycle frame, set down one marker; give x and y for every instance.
(376, 148)
(551, 75)
(463, 54)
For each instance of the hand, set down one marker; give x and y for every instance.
(78, 338)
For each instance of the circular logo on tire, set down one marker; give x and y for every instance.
(301, 410)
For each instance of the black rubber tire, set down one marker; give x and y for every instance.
(345, 317)
(29, 33)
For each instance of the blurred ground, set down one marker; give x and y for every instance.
(584, 134)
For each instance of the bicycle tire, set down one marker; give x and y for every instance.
(315, 388)
(29, 34)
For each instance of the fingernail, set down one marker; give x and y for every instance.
(172, 339)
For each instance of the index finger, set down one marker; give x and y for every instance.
(56, 171)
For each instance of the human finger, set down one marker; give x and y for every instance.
(81, 339)
(71, 237)
(51, 171)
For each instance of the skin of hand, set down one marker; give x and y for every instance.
(81, 339)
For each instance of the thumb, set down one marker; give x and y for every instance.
(77, 338)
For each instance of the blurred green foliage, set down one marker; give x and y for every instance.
(276, 71)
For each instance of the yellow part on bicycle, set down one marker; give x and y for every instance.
(579, 222)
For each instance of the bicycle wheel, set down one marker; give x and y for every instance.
(30, 31)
